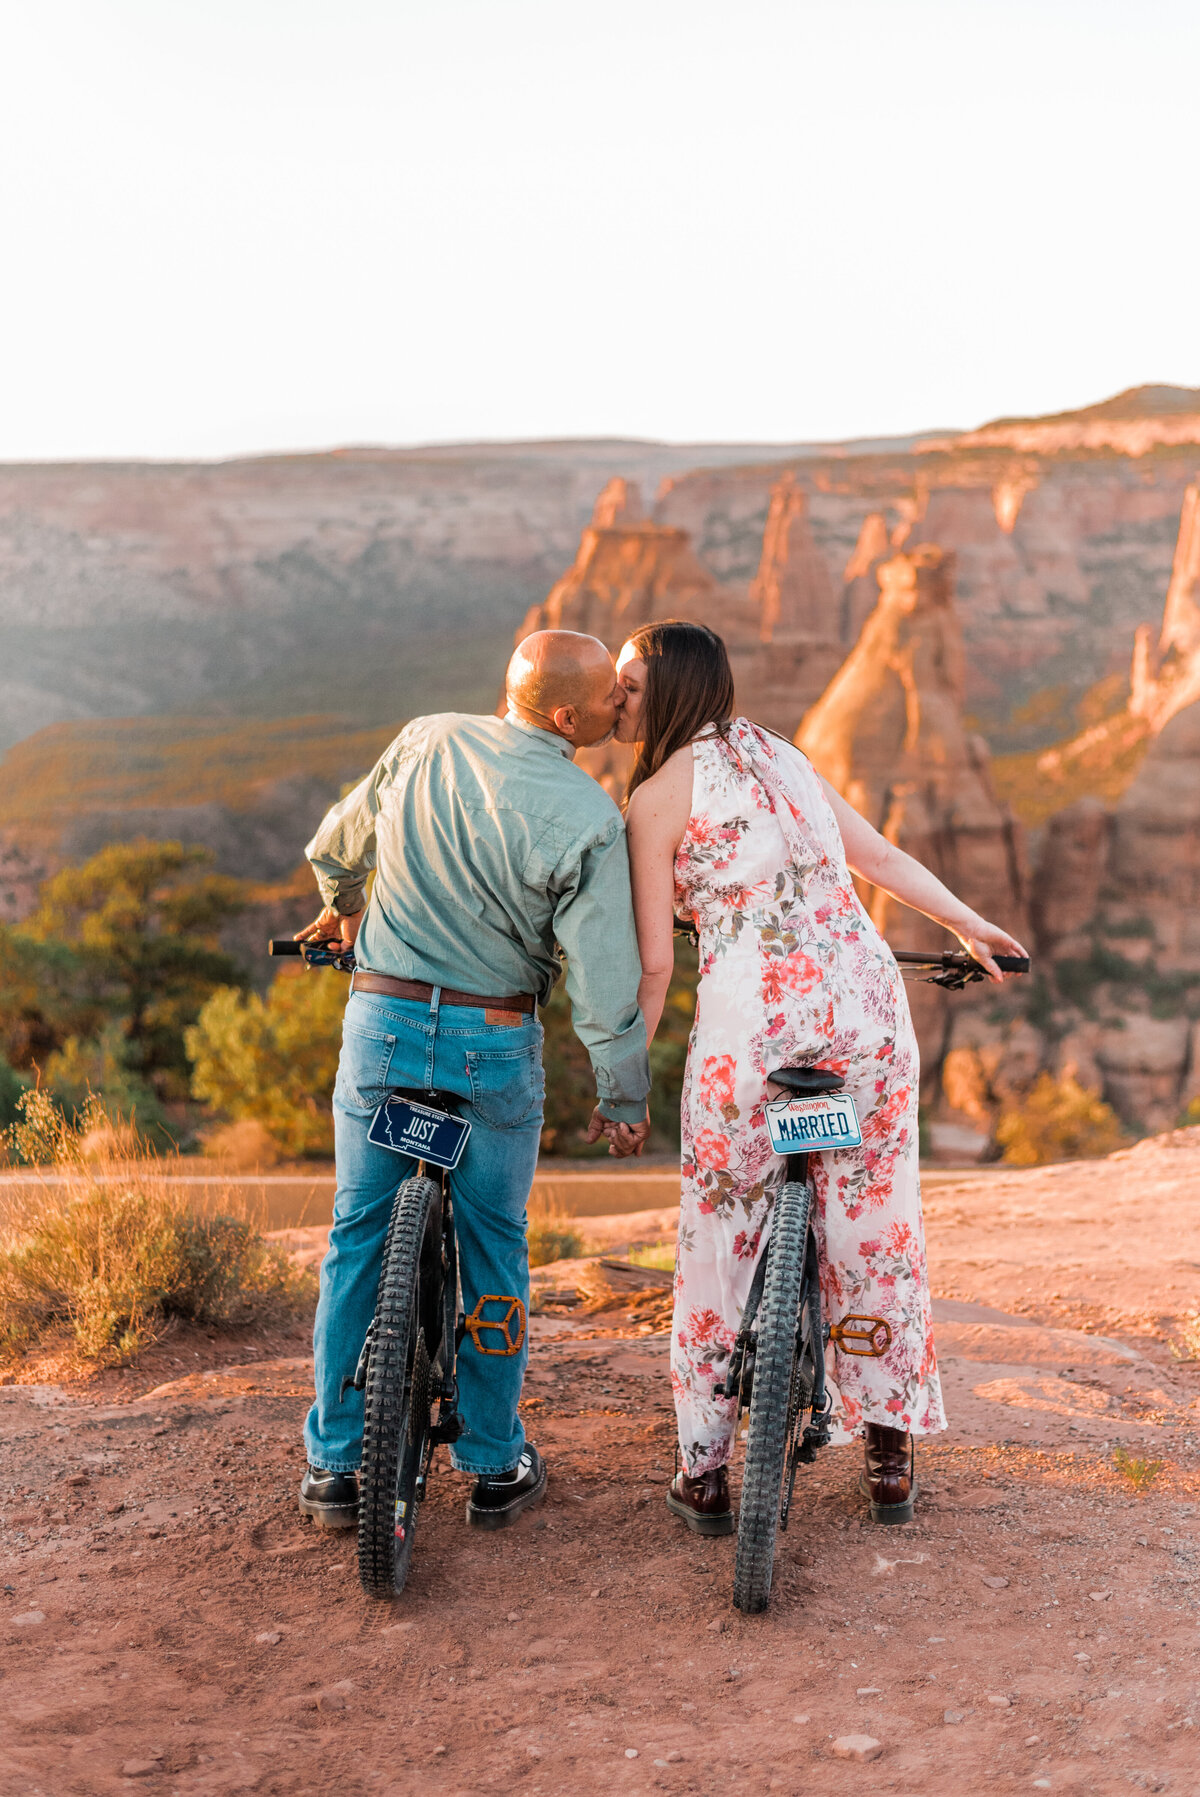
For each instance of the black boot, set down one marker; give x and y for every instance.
(499, 1498)
(331, 1499)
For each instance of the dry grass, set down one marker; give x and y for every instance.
(660, 1255)
(105, 1251)
(553, 1238)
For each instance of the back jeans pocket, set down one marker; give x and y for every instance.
(364, 1066)
(507, 1085)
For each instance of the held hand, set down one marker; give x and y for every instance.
(983, 940)
(331, 926)
(623, 1138)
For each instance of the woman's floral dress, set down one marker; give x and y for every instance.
(792, 973)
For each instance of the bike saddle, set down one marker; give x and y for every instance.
(807, 1082)
(437, 1101)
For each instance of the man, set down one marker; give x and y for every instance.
(490, 849)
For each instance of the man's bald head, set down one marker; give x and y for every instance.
(564, 681)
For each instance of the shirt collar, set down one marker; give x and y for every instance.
(551, 737)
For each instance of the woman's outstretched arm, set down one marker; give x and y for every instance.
(655, 822)
(873, 858)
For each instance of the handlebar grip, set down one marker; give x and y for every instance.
(283, 945)
(1012, 963)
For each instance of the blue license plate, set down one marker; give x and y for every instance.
(797, 1124)
(419, 1131)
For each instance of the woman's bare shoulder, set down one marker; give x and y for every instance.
(666, 797)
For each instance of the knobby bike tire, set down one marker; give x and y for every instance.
(774, 1360)
(392, 1451)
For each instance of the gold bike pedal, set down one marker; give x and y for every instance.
(866, 1338)
(476, 1323)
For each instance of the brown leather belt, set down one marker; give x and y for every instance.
(366, 981)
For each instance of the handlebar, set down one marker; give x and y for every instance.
(314, 954)
(954, 968)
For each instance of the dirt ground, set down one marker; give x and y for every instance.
(168, 1624)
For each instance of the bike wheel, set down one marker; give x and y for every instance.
(772, 1400)
(396, 1400)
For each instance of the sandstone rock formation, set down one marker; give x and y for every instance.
(1133, 422)
(888, 734)
(782, 629)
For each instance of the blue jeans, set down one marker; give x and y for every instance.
(497, 1070)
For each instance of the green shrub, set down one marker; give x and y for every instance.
(551, 1238)
(116, 1261)
(1059, 1120)
(275, 1059)
(111, 1255)
(12, 1086)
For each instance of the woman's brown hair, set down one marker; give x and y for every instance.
(689, 684)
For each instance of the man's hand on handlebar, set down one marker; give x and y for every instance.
(623, 1138)
(982, 940)
(332, 927)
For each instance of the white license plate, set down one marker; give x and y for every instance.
(800, 1124)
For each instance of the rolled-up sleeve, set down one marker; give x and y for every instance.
(593, 922)
(342, 852)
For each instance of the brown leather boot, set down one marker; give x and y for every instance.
(702, 1502)
(889, 1481)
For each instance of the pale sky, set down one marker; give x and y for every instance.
(246, 225)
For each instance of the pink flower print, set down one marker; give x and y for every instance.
(716, 1081)
(712, 1149)
(785, 976)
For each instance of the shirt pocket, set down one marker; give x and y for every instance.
(507, 1085)
(364, 1067)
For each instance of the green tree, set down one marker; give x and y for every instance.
(141, 920)
(273, 1059)
(46, 995)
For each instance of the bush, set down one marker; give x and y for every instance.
(552, 1238)
(11, 1088)
(273, 1060)
(1059, 1120)
(111, 1255)
(81, 1069)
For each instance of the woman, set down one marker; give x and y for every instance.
(731, 825)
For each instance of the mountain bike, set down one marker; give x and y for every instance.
(777, 1365)
(407, 1367)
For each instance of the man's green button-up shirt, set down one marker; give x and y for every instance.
(491, 851)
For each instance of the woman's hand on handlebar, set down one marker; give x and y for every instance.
(331, 926)
(982, 940)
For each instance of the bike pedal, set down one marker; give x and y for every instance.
(477, 1323)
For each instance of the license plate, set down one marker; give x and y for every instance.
(419, 1131)
(797, 1124)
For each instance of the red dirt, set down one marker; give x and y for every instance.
(594, 1648)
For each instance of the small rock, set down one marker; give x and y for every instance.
(1099, 1597)
(141, 1768)
(113, 1509)
(77, 1479)
(799, 1721)
(333, 1700)
(595, 1593)
(631, 1753)
(440, 1749)
(857, 1747)
(1041, 1784)
(674, 1757)
(734, 1672)
(1001, 1703)
(952, 1716)
(514, 1615)
(1083, 1656)
(717, 1626)
(994, 1582)
(1032, 1740)
(535, 1753)
(29, 1618)
(869, 1691)
(269, 1638)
